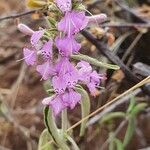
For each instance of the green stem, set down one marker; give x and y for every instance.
(75, 146)
(53, 130)
(64, 120)
(130, 131)
(94, 61)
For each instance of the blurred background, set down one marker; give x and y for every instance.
(126, 34)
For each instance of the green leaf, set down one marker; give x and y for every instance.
(130, 131)
(111, 143)
(53, 130)
(85, 108)
(43, 141)
(119, 144)
(94, 61)
(111, 116)
(138, 108)
(131, 105)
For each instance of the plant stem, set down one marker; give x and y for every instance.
(73, 143)
(64, 118)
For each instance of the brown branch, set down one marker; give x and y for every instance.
(18, 15)
(132, 13)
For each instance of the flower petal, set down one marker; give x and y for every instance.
(36, 36)
(46, 70)
(63, 66)
(92, 88)
(57, 105)
(46, 50)
(47, 100)
(29, 56)
(64, 5)
(73, 22)
(59, 84)
(71, 99)
(67, 45)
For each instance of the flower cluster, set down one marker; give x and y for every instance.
(64, 75)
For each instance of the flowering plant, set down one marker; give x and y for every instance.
(53, 52)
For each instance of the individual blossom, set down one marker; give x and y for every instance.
(84, 69)
(46, 50)
(59, 102)
(67, 45)
(73, 22)
(71, 98)
(39, 48)
(29, 56)
(91, 78)
(46, 68)
(66, 75)
(64, 5)
(36, 36)
(55, 102)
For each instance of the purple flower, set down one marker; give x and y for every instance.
(59, 83)
(67, 45)
(29, 56)
(46, 70)
(73, 22)
(63, 66)
(46, 50)
(91, 78)
(71, 98)
(36, 36)
(84, 69)
(59, 102)
(64, 5)
(55, 102)
(66, 76)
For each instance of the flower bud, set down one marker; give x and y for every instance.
(97, 18)
(36, 3)
(25, 29)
